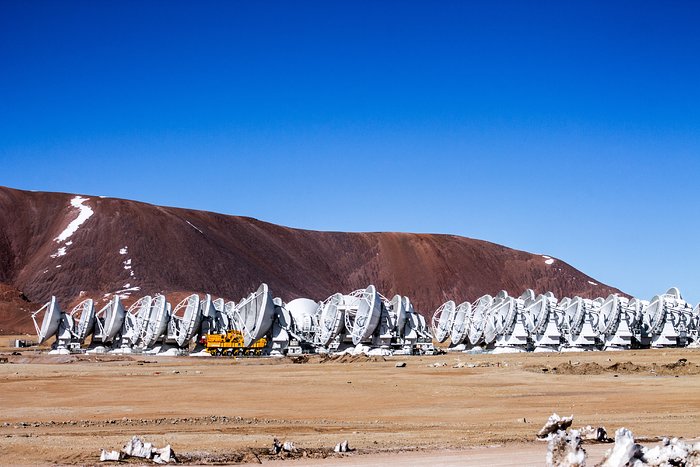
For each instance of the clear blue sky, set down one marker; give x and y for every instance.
(565, 128)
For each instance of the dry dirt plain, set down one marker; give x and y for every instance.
(64, 409)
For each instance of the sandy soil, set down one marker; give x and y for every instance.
(64, 409)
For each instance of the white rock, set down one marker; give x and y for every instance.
(625, 452)
(564, 450)
(110, 456)
(555, 423)
(342, 447)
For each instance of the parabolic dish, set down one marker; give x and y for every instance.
(83, 316)
(411, 329)
(332, 319)
(257, 312)
(136, 318)
(656, 313)
(442, 321)
(369, 309)
(528, 297)
(675, 293)
(156, 323)
(303, 311)
(282, 314)
(399, 308)
(50, 320)
(609, 315)
(575, 313)
(229, 318)
(206, 306)
(490, 329)
(478, 322)
(423, 328)
(504, 314)
(539, 312)
(185, 319)
(109, 321)
(460, 323)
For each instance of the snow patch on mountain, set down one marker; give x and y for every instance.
(85, 213)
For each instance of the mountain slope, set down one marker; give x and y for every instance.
(72, 246)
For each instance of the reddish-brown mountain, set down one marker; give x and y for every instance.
(56, 243)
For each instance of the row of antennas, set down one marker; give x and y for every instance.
(542, 323)
(151, 324)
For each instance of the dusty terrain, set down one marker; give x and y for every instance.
(64, 409)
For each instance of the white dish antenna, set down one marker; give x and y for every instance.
(83, 319)
(50, 320)
(398, 308)
(303, 311)
(157, 321)
(185, 319)
(538, 311)
(257, 312)
(478, 322)
(229, 318)
(366, 313)
(109, 321)
(135, 319)
(332, 319)
(442, 321)
(528, 297)
(609, 315)
(461, 322)
(423, 325)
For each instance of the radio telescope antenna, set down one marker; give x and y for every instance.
(83, 319)
(157, 322)
(135, 318)
(229, 318)
(398, 307)
(423, 330)
(331, 321)
(50, 320)
(185, 320)
(478, 322)
(580, 322)
(442, 321)
(303, 312)
(612, 324)
(257, 312)
(544, 325)
(109, 321)
(510, 326)
(668, 317)
(367, 313)
(461, 322)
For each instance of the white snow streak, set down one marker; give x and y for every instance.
(123, 251)
(592, 283)
(61, 252)
(83, 215)
(195, 228)
(548, 260)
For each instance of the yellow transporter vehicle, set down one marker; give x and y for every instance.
(231, 343)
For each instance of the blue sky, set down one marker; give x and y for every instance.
(564, 128)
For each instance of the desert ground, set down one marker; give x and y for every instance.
(453, 409)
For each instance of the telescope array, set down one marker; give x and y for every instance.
(541, 323)
(363, 317)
